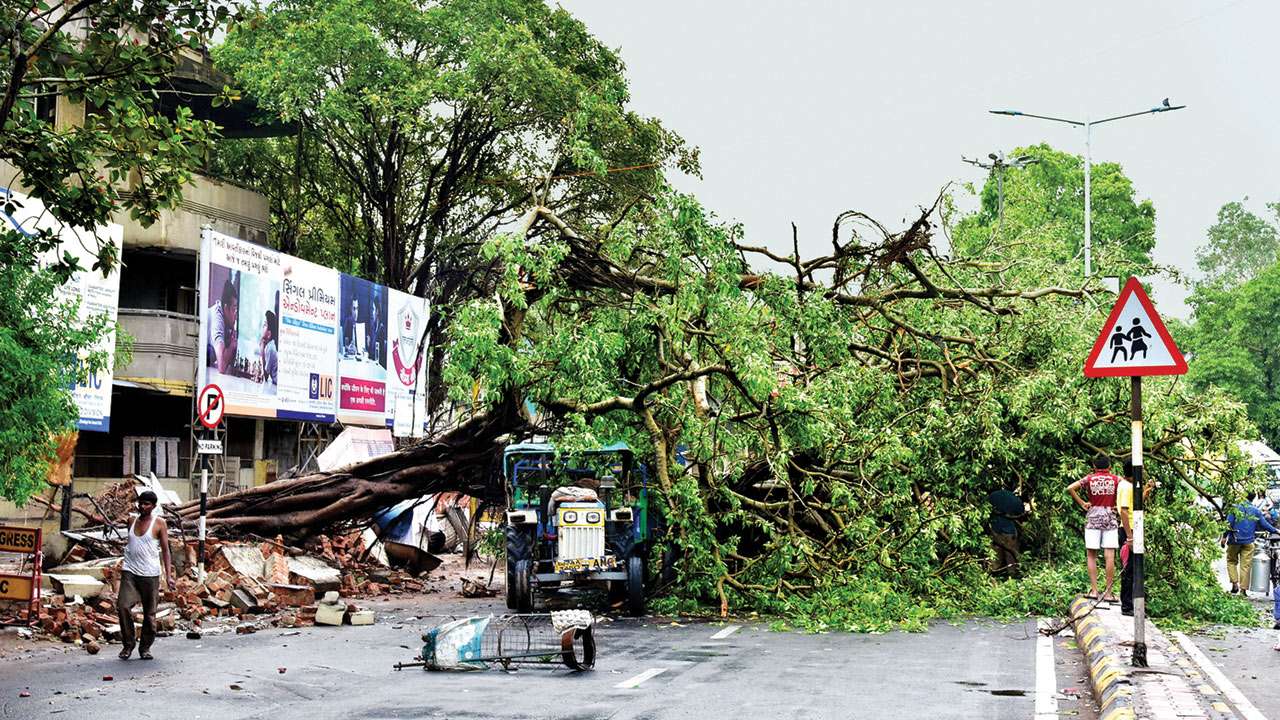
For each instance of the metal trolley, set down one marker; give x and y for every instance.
(477, 643)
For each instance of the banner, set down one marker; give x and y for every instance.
(239, 320)
(290, 339)
(362, 353)
(407, 380)
(308, 341)
(97, 295)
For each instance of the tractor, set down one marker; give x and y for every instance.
(575, 521)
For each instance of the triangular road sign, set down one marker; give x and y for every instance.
(1134, 341)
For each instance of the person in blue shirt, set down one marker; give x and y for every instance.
(1243, 521)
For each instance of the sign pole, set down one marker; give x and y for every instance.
(1138, 550)
(209, 410)
(204, 506)
(1134, 342)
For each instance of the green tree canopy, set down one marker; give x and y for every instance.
(1240, 245)
(426, 124)
(1234, 342)
(108, 60)
(1044, 214)
(108, 149)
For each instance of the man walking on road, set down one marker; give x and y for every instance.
(1101, 527)
(1243, 521)
(140, 576)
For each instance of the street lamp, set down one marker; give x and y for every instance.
(1087, 124)
(997, 166)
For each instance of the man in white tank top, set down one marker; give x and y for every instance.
(140, 576)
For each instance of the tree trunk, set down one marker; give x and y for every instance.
(465, 459)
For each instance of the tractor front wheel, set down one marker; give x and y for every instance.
(522, 584)
(635, 586)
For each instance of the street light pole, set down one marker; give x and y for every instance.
(1087, 125)
(1088, 199)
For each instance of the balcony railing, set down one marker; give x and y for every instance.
(165, 348)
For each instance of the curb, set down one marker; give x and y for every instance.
(1108, 673)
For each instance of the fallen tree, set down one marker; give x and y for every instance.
(460, 460)
(824, 438)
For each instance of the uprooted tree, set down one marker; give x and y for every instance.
(824, 434)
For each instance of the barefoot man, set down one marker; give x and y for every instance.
(140, 576)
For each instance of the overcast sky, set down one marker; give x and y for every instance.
(803, 109)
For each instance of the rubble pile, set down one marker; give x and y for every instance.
(112, 504)
(247, 586)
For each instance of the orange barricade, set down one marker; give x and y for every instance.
(22, 586)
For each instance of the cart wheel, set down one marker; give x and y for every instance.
(635, 586)
(522, 581)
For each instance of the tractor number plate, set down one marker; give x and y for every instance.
(579, 564)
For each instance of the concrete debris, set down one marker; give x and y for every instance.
(85, 586)
(246, 560)
(267, 579)
(476, 589)
(314, 572)
(327, 614)
(97, 569)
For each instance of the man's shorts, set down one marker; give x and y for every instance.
(1095, 539)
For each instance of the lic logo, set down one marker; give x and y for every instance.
(313, 389)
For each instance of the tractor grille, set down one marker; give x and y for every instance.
(580, 531)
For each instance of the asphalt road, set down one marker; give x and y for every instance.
(1247, 658)
(977, 669)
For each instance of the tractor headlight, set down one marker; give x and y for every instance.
(571, 516)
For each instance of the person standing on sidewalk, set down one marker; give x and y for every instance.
(1242, 521)
(1101, 527)
(1124, 504)
(140, 577)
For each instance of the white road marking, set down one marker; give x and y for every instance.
(1046, 677)
(635, 681)
(726, 632)
(1237, 698)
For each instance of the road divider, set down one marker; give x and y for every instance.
(1108, 672)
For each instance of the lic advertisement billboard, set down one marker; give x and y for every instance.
(285, 338)
(96, 295)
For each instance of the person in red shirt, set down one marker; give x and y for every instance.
(1101, 525)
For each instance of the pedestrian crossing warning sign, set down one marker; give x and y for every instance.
(1134, 341)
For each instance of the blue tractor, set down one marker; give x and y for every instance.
(576, 521)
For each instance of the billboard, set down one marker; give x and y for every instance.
(407, 363)
(240, 290)
(362, 355)
(289, 339)
(308, 354)
(97, 295)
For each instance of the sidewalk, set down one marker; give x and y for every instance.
(1178, 684)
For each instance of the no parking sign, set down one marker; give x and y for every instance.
(210, 406)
